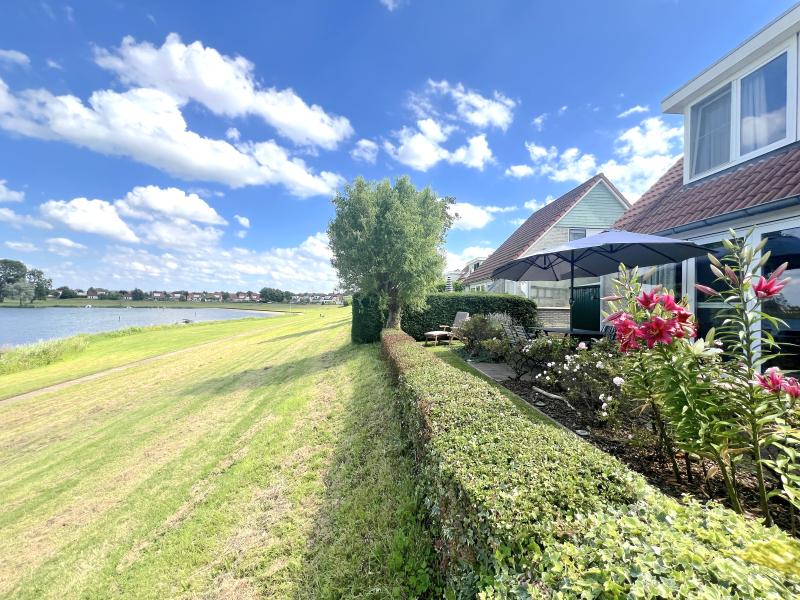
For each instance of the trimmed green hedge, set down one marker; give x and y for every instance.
(442, 308)
(368, 319)
(523, 509)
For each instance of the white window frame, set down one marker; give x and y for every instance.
(790, 48)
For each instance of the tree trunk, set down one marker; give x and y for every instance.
(394, 310)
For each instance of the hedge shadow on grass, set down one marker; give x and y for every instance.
(368, 540)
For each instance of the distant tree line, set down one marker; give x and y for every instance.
(269, 294)
(18, 282)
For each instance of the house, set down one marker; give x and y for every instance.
(92, 294)
(158, 295)
(196, 297)
(178, 295)
(741, 169)
(589, 208)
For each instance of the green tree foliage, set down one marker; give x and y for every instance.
(137, 294)
(22, 291)
(11, 271)
(41, 284)
(269, 294)
(65, 293)
(387, 239)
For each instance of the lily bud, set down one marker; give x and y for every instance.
(779, 271)
(706, 290)
(731, 275)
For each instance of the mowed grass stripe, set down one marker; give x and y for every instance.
(200, 452)
(108, 351)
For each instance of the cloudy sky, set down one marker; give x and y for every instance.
(191, 145)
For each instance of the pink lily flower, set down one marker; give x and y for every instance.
(648, 301)
(657, 330)
(772, 380)
(768, 288)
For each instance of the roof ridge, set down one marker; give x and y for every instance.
(531, 230)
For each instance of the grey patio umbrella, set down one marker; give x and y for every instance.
(596, 255)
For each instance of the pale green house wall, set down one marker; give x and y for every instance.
(598, 209)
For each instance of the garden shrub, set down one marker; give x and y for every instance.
(368, 318)
(441, 309)
(522, 508)
(477, 329)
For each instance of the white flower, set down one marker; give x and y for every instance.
(602, 396)
(599, 364)
(582, 346)
(618, 381)
(604, 406)
(609, 399)
(604, 414)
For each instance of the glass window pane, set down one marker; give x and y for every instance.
(785, 247)
(711, 131)
(763, 103)
(707, 307)
(577, 233)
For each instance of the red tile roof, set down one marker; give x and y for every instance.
(532, 229)
(669, 203)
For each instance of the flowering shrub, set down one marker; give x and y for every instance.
(721, 410)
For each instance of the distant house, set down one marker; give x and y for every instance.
(92, 294)
(158, 295)
(195, 297)
(589, 208)
(741, 170)
(178, 295)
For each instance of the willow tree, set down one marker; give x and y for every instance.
(387, 240)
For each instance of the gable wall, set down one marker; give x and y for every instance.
(598, 209)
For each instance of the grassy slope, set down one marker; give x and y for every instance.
(81, 302)
(269, 465)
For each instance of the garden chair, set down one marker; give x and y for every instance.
(522, 335)
(447, 331)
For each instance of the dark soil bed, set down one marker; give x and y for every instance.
(631, 440)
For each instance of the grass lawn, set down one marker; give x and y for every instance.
(269, 464)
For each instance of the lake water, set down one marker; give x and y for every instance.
(28, 325)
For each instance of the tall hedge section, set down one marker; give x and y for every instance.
(442, 308)
(522, 508)
(368, 319)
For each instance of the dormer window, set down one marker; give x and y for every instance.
(752, 113)
(763, 106)
(711, 131)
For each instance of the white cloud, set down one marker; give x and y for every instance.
(642, 154)
(305, 267)
(243, 221)
(7, 195)
(562, 110)
(539, 120)
(63, 246)
(17, 220)
(232, 134)
(392, 5)
(422, 149)
(500, 209)
(89, 216)
(143, 202)
(14, 58)
(457, 260)
(365, 150)
(469, 216)
(224, 84)
(533, 204)
(517, 222)
(475, 155)
(633, 110)
(241, 234)
(178, 233)
(476, 109)
(20, 246)
(147, 125)
(519, 171)
(419, 149)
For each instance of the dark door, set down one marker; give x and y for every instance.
(586, 309)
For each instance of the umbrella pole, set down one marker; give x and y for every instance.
(571, 287)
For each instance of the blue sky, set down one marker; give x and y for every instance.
(189, 145)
